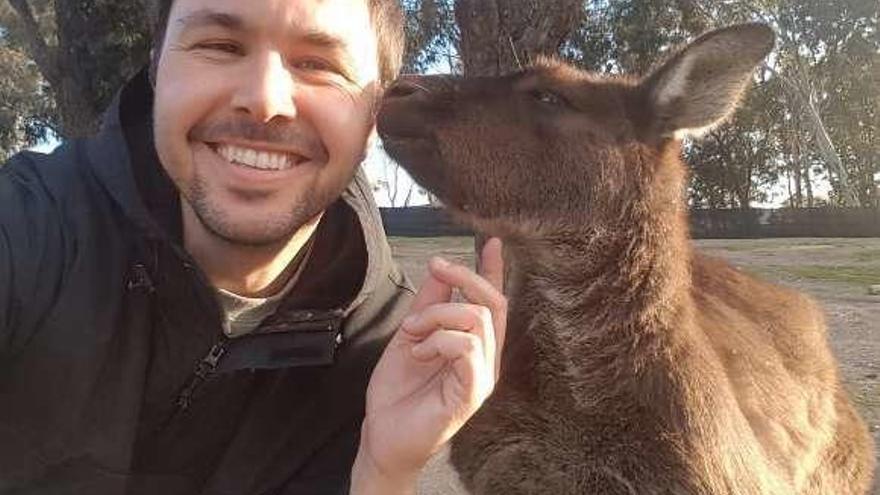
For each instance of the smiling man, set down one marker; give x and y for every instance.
(201, 298)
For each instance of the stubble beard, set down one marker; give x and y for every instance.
(277, 226)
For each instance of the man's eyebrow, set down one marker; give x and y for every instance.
(323, 39)
(332, 43)
(209, 17)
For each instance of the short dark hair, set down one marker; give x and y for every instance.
(386, 16)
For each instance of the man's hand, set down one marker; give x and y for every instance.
(435, 373)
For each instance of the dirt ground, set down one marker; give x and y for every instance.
(837, 272)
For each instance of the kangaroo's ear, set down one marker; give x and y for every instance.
(702, 84)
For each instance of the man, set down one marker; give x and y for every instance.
(194, 302)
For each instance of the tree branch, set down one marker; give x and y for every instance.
(820, 133)
(40, 51)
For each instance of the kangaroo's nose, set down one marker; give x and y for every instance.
(406, 87)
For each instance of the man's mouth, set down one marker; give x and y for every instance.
(258, 159)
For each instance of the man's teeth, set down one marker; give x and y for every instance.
(263, 160)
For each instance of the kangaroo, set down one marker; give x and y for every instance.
(634, 365)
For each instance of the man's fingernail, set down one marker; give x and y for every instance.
(419, 351)
(409, 321)
(440, 262)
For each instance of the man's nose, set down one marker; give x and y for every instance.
(269, 91)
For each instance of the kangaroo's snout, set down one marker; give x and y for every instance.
(406, 87)
(406, 106)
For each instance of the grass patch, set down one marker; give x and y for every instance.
(867, 256)
(736, 248)
(775, 245)
(854, 275)
(866, 397)
(771, 273)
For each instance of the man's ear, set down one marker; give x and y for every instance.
(702, 84)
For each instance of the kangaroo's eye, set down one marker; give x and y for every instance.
(548, 97)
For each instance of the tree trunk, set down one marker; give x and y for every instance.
(808, 179)
(829, 153)
(84, 70)
(409, 192)
(798, 169)
(798, 186)
(78, 115)
(745, 191)
(500, 36)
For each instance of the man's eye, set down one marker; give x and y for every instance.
(221, 46)
(315, 65)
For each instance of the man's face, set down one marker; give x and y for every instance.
(263, 109)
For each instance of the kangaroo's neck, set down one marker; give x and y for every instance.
(608, 293)
(630, 267)
(609, 280)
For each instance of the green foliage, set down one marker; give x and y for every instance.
(25, 106)
(834, 50)
(828, 54)
(736, 164)
(110, 40)
(431, 35)
(627, 36)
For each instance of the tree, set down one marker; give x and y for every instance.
(431, 35)
(823, 55)
(499, 36)
(487, 37)
(83, 49)
(734, 165)
(825, 70)
(25, 106)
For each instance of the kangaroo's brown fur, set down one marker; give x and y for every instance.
(633, 364)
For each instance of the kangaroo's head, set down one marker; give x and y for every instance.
(552, 148)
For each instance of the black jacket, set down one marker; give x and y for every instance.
(114, 374)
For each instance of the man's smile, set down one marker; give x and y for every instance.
(251, 167)
(260, 159)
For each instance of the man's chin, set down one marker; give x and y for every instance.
(246, 237)
(258, 221)
(256, 230)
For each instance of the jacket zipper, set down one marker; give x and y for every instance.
(204, 371)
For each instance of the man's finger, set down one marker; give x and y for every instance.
(492, 269)
(468, 318)
(474, 288)
(432, 291)
(454, 316)
(492, 263)
(464, 353)
(479, 290)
